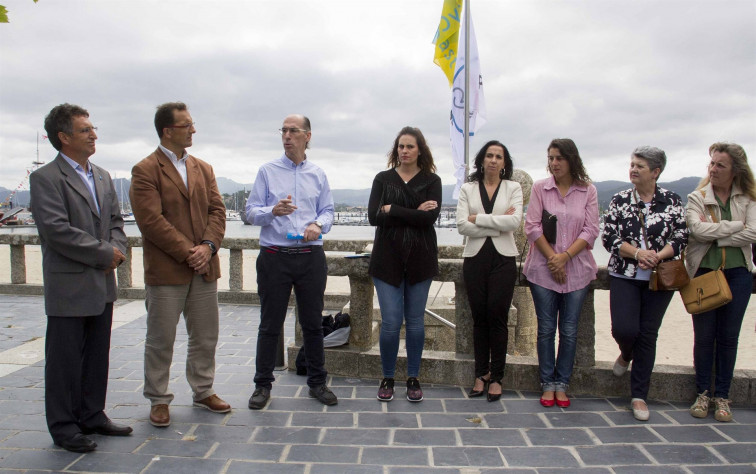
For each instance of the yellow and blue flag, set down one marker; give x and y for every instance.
(447, 38)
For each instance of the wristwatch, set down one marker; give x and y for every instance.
(318, 223)
(211, 245)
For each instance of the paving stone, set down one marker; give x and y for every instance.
(613, 454)
(421, 470)
(169, 447)
(395, 456)
(741, 433)
(589, 404)
(539, 457)
(400, 405)
(728, 469)
(648, 469)
(513, 420)
(330, 454)
(475, 405)
(525, 406)
(143, 429)
(440, 420)
(625, 417)
(575, 470)
(566, 419)
(294, 435)
(322, 420)
(345, 469)
(110, 462)
(186, 465)
(684, 418)
(470, 456)
(689, 434)
(53, 459)
(681, 454)
(28, 440)
(558, 437)
(248, 451)
(386, 420)
(252, 418)
(12, 407)
(347, 436)
(295, 404)
(491, 437)
(744, 414)
(221, 434)
(446, 393)
(626, 434)
(357, 406)
(737, 453)
(427, 437)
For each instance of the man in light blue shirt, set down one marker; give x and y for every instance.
(292, 203)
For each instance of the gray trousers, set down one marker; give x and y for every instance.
(198, 301)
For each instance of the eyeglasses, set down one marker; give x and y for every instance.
(186, 125)
(87, 130)
(293, 131)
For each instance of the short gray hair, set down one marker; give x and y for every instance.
(655, 157)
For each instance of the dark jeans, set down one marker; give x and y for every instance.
(277, 273)
(716, 334)
(637, 314)
(77, 351)
(490, 279)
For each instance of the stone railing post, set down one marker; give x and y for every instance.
(361, 311)
(18, 264)
(236, 270)
(124, 270)
(464, 332)
(586, 339)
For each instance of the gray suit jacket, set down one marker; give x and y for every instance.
(77, 241)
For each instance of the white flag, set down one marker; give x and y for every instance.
(477, 106)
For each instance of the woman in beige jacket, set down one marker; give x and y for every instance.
(721, 218)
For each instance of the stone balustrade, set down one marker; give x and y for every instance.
(360, 358)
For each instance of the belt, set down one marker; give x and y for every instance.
(289, 250)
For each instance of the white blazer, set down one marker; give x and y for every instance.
(496, 225)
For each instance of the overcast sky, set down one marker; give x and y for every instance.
(611, 75)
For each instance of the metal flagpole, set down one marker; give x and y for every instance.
(467, 87)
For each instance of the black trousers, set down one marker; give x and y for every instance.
(490, 279)
(77, 352)
(277, 273)
(637, 314)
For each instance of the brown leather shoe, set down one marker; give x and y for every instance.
(214, 404)
(160, 416)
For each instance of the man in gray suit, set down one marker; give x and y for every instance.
(76, 210)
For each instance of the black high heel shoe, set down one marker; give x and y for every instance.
(476, 393)
(491, 396)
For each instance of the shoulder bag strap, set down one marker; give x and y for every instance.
(715, 220)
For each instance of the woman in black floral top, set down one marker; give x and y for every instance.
(637, 311)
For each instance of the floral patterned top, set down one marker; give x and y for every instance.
(665, 224)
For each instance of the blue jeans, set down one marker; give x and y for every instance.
(716, 334)
(405, 303)
(552, 307)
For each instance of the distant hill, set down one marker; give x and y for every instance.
(360, 197)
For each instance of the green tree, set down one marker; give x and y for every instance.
(4, 13)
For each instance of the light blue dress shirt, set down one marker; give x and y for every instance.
(86, 176)
(308, 186)
(179, 163)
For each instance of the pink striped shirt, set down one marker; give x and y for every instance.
(577, 218)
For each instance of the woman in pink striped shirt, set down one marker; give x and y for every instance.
(559, 272)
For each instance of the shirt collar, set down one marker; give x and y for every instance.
(284, 160)
(76, 165)
(172, 155)
(551, 184)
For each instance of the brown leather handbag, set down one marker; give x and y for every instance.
(668, 275)
(708, 291)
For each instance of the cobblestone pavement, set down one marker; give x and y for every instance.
(446, 433)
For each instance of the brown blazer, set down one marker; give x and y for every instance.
(173, 219)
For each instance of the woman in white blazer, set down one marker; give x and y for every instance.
(489, 210)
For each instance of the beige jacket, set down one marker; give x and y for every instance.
(739, 232)
(496, 225)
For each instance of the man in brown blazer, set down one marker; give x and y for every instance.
(81, 230)
(182, 218)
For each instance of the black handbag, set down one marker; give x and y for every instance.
(549, 225)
